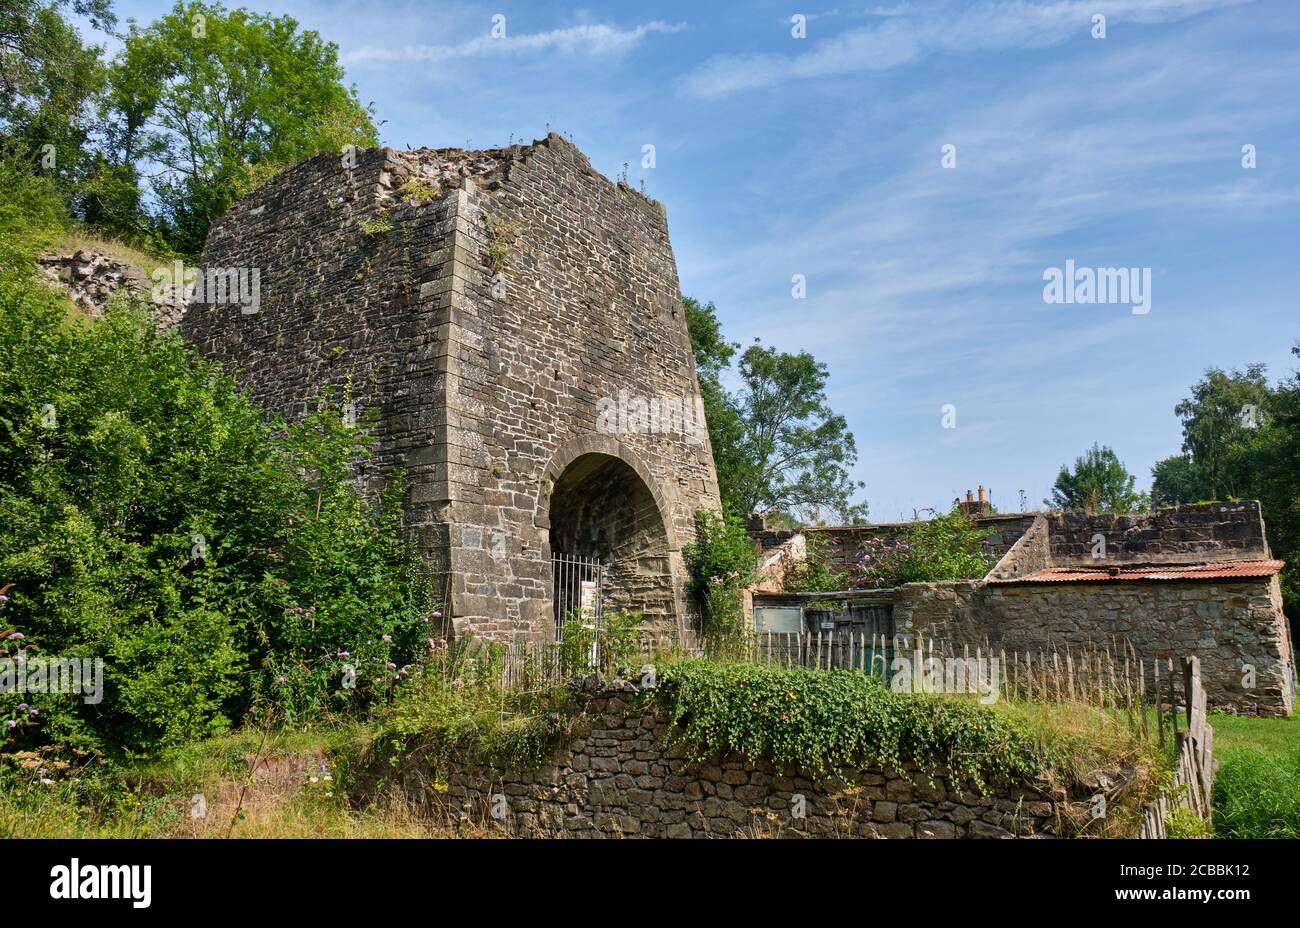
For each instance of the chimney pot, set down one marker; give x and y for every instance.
(983, 498)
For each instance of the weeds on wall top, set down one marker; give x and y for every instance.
(418, 189)
(827, 722)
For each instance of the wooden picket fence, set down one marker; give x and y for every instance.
(1194, 771)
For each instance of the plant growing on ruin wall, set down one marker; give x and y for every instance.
(419, 188)
(503, 236)
(611, 649)
(722, 563)
(947, 547)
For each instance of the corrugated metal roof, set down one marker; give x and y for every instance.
(1133, 573)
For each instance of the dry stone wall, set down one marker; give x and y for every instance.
(92, 279)
(615, 777)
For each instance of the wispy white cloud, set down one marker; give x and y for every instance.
(592, 39)
(905, 36)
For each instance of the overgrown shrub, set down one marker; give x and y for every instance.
(152, 517)
(611, 649)
(943, 547)
(33, 210)
(456, 707)
(722, 562)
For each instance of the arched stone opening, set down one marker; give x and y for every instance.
(600, 507)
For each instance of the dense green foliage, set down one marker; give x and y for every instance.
(151, 517)
(722, 562)
(779, 447)
(828, 721)
(611, 649)
(1241, 440)
(48, 81)
(1099, 482)
(223, 99)
(32, 211)
(197, 108)
(942, 547)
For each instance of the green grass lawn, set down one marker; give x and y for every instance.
(1257, 793)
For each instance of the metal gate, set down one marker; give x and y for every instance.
(579, 590)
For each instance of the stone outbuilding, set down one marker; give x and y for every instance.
(1189, 580)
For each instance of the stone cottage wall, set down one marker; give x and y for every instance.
(1232, 626)
(616, 778)
(1236, 627)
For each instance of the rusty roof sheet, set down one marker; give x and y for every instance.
(1132, 573)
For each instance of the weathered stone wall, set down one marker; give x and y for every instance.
(1003, 531)
(483, 304)
(587, 310)
(615, 777)
(1208, 532)
(1032, 552)
(951, 612)
(340, 308)
(1232, 626)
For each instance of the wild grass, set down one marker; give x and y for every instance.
(1257, 790)
(78, 239)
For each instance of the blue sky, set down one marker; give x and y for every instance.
(821, 156)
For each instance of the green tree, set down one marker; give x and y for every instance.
(1271, 464)
(219, 100)
(152, 517)
(796, 451)
(1220, 420)
(778, 446)
(1176, 480)
(713, 358)
(1099, 482)
(48, 79)
(32, 209)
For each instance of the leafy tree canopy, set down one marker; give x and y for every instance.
(219, 100)
(778, 446)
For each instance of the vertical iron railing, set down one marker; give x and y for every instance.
(574, 575)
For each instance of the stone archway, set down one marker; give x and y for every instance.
(599, 501)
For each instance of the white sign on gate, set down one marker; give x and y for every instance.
(589, 592)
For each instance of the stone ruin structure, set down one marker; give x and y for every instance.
(511, 320)
(1190, 580)
(92, 279)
